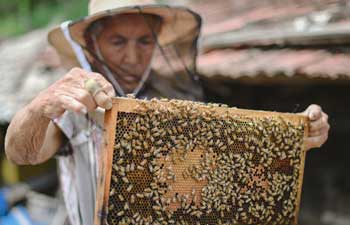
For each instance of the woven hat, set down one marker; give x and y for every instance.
(177, 22)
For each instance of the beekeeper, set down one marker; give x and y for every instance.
(122, 47)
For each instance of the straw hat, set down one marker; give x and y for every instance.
(177, 22)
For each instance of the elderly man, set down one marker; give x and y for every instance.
(122, 47)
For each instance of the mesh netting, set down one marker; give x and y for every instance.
(179, 162)
(175, 46)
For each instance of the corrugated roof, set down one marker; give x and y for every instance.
(250, 63)
(240, 20)
(239, 36)
(228, 15)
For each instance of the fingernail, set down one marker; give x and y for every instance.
(312, 115)
(109, 105)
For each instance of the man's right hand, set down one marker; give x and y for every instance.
(69, 93)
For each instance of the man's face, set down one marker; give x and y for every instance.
(127, 44)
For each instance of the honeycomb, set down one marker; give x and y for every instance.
(181, 162)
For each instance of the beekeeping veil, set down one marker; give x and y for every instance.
(175, 54)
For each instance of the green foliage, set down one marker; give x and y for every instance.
(19, 16)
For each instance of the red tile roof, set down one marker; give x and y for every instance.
(266, 15)
(333, 66)
(225, 15)
(238, 21)
(235, 64)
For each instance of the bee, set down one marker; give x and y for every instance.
(112, 192)
(129, 188)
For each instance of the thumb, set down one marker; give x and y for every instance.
(314, 114)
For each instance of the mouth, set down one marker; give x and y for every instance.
(130, 78)
(127, 75)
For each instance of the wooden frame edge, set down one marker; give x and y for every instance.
(105, 168)
(301, 169)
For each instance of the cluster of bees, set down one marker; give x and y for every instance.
(179, 162)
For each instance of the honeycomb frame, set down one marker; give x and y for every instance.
(179, 191)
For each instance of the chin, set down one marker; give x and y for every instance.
(129, 89)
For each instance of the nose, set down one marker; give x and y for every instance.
(131, 53)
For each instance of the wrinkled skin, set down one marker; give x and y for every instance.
(33, 138)
(127, 50)
(69, 93)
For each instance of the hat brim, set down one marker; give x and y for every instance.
(177, 23)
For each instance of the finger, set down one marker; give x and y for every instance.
(83, 75)
(320, 132)
(316, 142)
(103, 100)
(77, 77)
(83, 96)
(54, 110)
(317, 125)
(314, 112)
(107, 87)
(71, 104)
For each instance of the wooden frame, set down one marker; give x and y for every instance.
(130, 105)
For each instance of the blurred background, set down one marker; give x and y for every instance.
(279, 55)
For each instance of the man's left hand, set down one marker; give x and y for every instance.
(318, 128)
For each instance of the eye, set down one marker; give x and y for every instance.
(118, 41)
(146, 41)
